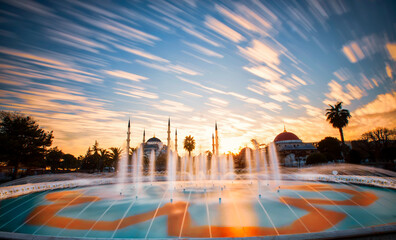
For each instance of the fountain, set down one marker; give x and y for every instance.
(152, 166)
(194, 199)
(274, 163)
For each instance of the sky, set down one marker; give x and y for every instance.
(83, 68)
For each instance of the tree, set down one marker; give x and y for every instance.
(95, 158)
(240, 158)
(338, 117)
(316, 158)
(189, 144)
(380, 142)
(115, 155)
(380, 136)
(354, 157)
(53, 158)
(88, 161)
(330, 147)
(22, 140)
(70, 162)
(103, 157)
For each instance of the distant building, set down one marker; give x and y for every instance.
(154, 144)
(293, 152)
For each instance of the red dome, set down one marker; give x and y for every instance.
(286, 136)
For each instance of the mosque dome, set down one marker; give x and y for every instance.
(153, 140)
(287, 137)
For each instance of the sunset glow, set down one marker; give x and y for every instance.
(83, 68)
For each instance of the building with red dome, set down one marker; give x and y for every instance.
(293, 152)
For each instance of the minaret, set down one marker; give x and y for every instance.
(128, 134)
(144, 136)
(169, 139)
(213, 145)
(128, 140)
(176, 140)
(217, 139)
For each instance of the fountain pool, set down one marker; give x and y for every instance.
(293, 207)
(197, 199)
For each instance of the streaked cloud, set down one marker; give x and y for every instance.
(281, 98)
(172, 106)
(303, 98)
(32, 57)
(223, 29)
(343, 74)
(218, 101)
(384, 103)
(126, 75)
(388, 70)
(299, 80)
(237, 18)
(260, 52)
(337, 93)
(348, 51)
(191, 94)
(143, 54)
(264, 72)
(203, 50)
(201, 36)
(362, 48)
(391, 47)
(136, 93)
(183, 70)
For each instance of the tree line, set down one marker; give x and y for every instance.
(377, 145)
(24, 144)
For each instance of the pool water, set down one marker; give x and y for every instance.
(220, 209)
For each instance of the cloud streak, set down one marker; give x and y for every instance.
(223, 29)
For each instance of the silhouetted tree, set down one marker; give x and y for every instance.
(70, 162)
(53, 159)
(240, 158)
(103, 157)
(22, 141)
(380, 136)
(115, 156)
(338, 117)
(354, 156)
(380, 142)
(330, 147)
(88, 161)
(316, 158)
(189, 144)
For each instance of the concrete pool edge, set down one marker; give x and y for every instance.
(19, 190)
(360, 233)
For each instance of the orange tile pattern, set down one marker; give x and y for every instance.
(317, 219)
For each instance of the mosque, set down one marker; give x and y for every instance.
(293, 152)
(156, 145)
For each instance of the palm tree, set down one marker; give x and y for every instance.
(115, 156)
(189, 144)
(103, 157)
(338, 117)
